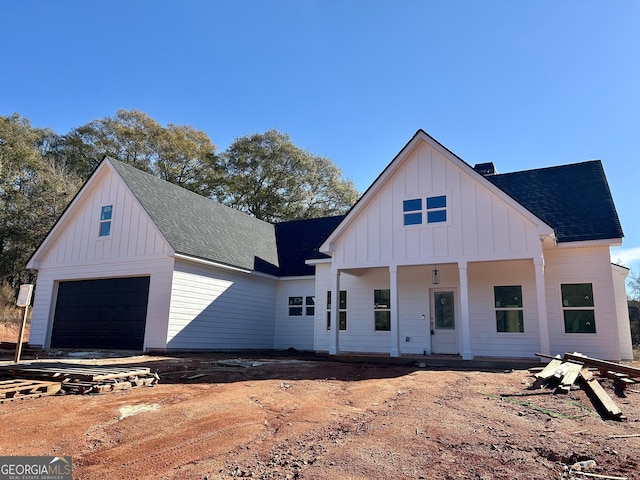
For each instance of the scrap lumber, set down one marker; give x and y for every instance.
(606, 402)
(569, 378)
(24, 388)
(84, 379)
(603, 364)
(550, 369)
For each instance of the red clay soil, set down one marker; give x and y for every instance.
(300, 417)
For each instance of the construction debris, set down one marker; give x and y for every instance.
(20, 389)
(71, 378)
(562, 374)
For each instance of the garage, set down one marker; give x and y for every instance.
(103, 313)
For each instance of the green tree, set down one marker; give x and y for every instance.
(267, 176)
(34, 190)
(176, 153)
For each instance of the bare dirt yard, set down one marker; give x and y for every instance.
(297, 416)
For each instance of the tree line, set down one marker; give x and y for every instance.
(263, 174)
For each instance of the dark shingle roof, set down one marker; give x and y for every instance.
(198, 227)
(299, 240)
(574, 200)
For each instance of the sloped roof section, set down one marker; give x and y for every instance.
(299, 240)
(198, 227)
(573, 199)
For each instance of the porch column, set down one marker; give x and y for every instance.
(465, 324)
(543, 321)
(334, 344)
(393, 292)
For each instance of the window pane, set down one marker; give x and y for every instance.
(105, 213)
(295, 300)
(577, 295)
(310, 300)
(412, 205)
(343, 320)
(383, 321)
(105, 229)
(329, 300)
(508, 297)
(382, 298)
(343, 300)
(579, 321)
(510, 321)
(412, 218)
(328, 320)
(311, 311)
(444, 310)
(295, 311)
(437, 202)
(437, 216)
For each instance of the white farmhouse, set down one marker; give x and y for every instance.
(437, 257)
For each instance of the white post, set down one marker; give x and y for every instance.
(334, 344)
(395, 324)
(541, 296)
(23, 300)
(465, 323)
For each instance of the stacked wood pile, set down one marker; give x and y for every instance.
(562, 373)
(19, 389)
(71, 378)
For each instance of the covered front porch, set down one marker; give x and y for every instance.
(431, 309)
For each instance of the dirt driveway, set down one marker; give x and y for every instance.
(292, 417)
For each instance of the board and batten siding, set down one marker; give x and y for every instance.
(220, 309)
(294, 331)
(74, 251)
(480, 223)
(582, 265)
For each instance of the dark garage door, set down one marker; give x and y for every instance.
(105, 313)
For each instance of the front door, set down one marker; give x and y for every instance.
(444, 336)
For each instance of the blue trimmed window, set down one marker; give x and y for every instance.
(437, 209)
(105, 220)
(412, 211)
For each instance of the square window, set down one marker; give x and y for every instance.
(437, 202)
(295, 306)
(437, 216)
(412, 205)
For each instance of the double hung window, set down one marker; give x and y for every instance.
(578, 308)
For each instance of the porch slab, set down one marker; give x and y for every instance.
(454, 362)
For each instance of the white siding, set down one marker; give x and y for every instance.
(75, 240)
(220, 309)
(485, 339)
(73, 251)
(480, 223)
(294, 331)
(360, 336)
(622, 309)
(159, 268)
(582, 265)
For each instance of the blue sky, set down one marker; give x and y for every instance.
(525, 84)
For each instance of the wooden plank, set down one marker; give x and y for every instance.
(550, 369)
(21, 388)
(570, 376)
(621, 377)
(599, 393)
(603, 364)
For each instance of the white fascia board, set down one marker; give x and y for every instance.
(210, 263)
(606, 242)
(318, 261)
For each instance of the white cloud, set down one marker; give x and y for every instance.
(629, 257)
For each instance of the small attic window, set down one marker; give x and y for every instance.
(105, 220)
